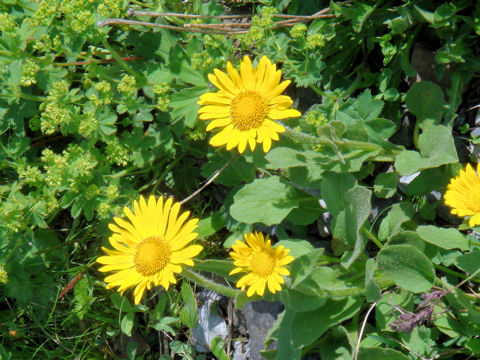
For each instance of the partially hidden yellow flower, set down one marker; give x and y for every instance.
(263, 264)
(463, 194)
(151, 247)
(246, 105)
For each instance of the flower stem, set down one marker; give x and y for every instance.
(209, 284)
(372, 237)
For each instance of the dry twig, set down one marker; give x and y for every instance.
(232, 28)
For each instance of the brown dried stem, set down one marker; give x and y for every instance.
(222, 28)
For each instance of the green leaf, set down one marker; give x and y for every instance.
(358, 13)
(445, 238)
(239, 171)
(407, 267)
(83, 298)
(297, 247)
(267, 200)
(127, 323)
(309, 326)
(219, 267)
(367, 106)
(392, 223)
(325, 281)
(283, 329)
(386, 185)
(217, 347)
(426, 100)
(303, 266)
(372, 290)
(470, 263)
(372, 353)
(299, 301)
(121, 303)
(188, 314)
(210, 225)
(164, 324)
(436, 148)
(473, 345)
(350, 206)
(184, 104)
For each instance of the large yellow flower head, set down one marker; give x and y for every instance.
(463, 195)
(246, 105)
(263, 264)
(149, 248)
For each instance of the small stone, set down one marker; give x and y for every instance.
(260, 316)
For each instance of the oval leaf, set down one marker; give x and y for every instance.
(407, 267)
(444, 238)
(268, 201)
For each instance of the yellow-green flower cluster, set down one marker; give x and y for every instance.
(202, 61)
(68, 168)
(127, 85)
(109, 8)
(55, 111)
(116, 153)
(3, 275)
(45, 11)
(7, 22)
(88, 124)
(260, 23)
(111, 193)
(298, 31)
(315, 118)
(29, 71)
(163, 99)
(315, 41)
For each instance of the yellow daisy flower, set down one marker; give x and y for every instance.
(463, 194)
(263, 263)
(149, 248)
(246, 105)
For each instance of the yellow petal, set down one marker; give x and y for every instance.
(219, 123)
(248, 73)
(278, 114)
(214, 99)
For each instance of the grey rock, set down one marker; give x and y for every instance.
(260, 316)
(210, 324)
(241, 350)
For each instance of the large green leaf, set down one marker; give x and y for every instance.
(445, 238)
(309, 326)
(436, 148)
(426, 100)
(267, 200)
(350, 206)
(407, 267)
(469, 263)
(392, 223)
(372, 353)
(303, 266)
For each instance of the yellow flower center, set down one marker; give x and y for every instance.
(263, 264)
(248, 110)
(152, 255)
